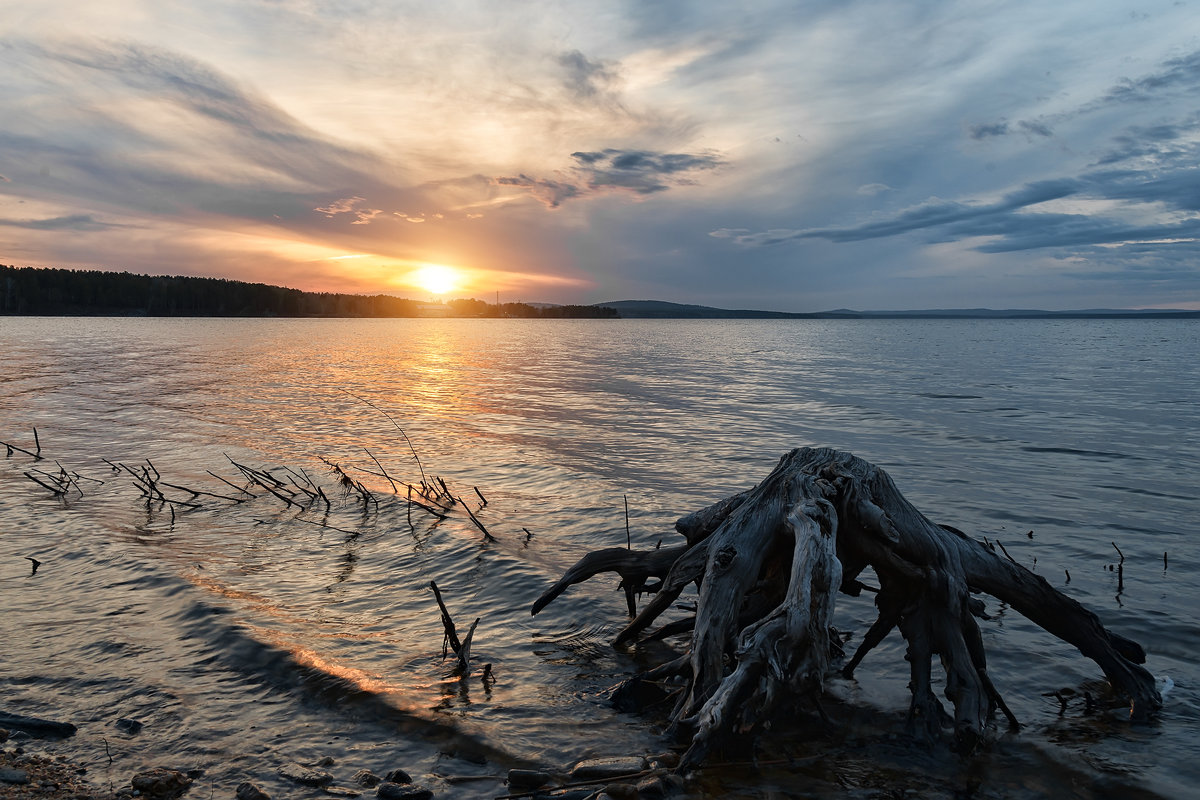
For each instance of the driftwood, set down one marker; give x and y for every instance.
(770, 562)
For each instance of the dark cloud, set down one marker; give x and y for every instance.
(1035, 128)
(1176, 73)
(638, 171)
(930, 214)
(551, 193)
(583, 78)
(988, 130)
(991, 130)
(72, 222)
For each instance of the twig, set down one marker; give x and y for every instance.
(478, 524)
(451, 635)
(395, 489)
(37, 442)
(408, 441)
(481, 497)
(231, 484)
(1010, 558)
(628, 540)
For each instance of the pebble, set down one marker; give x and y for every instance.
(251, 791)
(17, 776)
(398, 776)
(301, 774)
(161, 782)
(402, 791)
(364, 777)
(341, 791)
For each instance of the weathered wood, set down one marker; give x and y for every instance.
(770, 562)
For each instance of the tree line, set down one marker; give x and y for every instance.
(36, 291)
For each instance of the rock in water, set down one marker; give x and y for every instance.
(402, 791)
(364, 777)
(298, 773)
(161, 783)
(251, 791)
(398, 776)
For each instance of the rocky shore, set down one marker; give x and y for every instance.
(29, 769)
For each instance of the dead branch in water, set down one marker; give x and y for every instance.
(770, 563)
(461, 648)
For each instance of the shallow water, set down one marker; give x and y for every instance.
(243, 635)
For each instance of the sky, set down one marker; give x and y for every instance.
(792, 156)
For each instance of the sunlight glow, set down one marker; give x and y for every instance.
(436, 278)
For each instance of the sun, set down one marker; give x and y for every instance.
(435, 278)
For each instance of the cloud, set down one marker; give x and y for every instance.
(988, 129)
(71, 222)
(641, 172)
(929, 214)
(1182, 72)
(583, 78)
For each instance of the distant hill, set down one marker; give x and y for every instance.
(659, 309)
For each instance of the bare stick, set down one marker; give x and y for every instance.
(37, 442)
(464, 652)
(628, 540)
(12, 447)
(229, 483)
(481, 497)
(407, 441)
(1122, 555)
(57, 490)
(451, 635)
(199, 492)
(478, 524)
(395, 489)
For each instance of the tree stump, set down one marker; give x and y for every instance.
(769, 563)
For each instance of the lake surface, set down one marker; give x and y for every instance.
(246, 635)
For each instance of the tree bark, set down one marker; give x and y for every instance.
(770, 562)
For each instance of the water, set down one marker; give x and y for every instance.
(246, 635)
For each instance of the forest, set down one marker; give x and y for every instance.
(36, 291)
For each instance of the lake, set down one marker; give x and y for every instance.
(245, 633)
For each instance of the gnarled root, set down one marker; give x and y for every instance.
(770, 562)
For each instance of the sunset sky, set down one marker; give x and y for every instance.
(797, 156)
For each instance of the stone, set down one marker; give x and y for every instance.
(128, 726)
(161, 783)
(251, 791)
(14, 776)
(602, 769)
(341, 791)
(397, 776)
(402, 791)
(527, 778)
(298, 773)
(364, 777)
